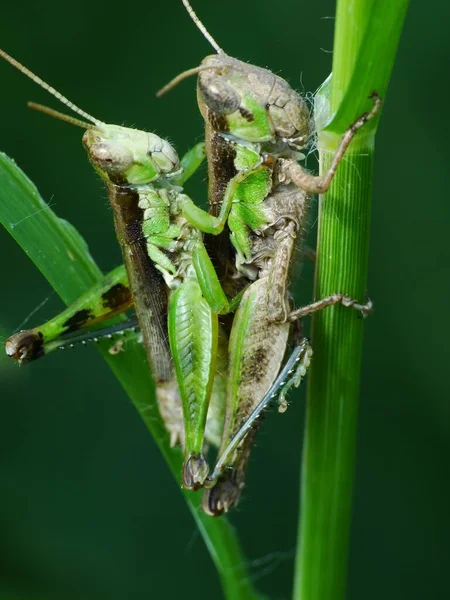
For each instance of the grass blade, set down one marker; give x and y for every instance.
(62, 256)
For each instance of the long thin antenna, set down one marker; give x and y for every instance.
(49, 88)
(181, 77)
(51, 112)
(202, 28)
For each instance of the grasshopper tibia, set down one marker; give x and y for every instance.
(331, 300)
(292, 374)
(227, 479)
(28, 345)
(226, 491)
(106, 299)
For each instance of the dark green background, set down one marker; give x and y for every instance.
(88, 509)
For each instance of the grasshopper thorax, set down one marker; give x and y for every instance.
(251, 103)
(126, 156)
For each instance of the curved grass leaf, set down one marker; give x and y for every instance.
(62, 256)
(367, 34)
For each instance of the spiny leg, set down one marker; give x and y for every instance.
(109, 332)
(319, 184)
(110, 297)
(255, 351)
(291, 375)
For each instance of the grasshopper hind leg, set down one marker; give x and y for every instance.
(226, 482)
(224, 493)
(108, 298)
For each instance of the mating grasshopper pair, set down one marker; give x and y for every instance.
(216, 388)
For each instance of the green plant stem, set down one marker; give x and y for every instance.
(366, 38)
(62, 256)
(333, 385)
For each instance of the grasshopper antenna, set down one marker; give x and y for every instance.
(15, 63)
(185, 74)
(202, 28)
(51, 112)
(181, 77)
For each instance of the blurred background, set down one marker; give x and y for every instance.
(88, 509)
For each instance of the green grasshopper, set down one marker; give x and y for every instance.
(120, 156)
(254, 121)
(162, 251)
(256, 176)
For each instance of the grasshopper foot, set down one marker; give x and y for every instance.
(24, 346)
(195, 472)
(224, 494)
(333, 299)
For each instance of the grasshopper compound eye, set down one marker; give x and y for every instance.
(108, 156)
(217, 94)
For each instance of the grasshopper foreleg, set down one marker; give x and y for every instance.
(290, 170)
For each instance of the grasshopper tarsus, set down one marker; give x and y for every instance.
(225, 492)
(362, 120)
(195, 472)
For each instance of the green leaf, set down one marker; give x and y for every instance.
(367, 34)
(62, 256)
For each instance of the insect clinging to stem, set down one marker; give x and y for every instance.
(254, 120)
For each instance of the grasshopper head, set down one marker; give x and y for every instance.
(251, 103)
(128, 156)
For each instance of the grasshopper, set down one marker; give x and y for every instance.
(143, 179)
(255, 121)
(163, 252)
(257, 165)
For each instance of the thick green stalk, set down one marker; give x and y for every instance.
(366, 38)
(62, 256)
(333, 385)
